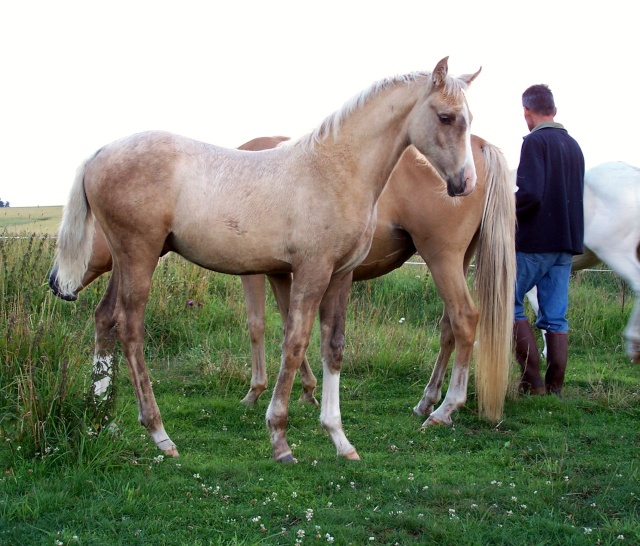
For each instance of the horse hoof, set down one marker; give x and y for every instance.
(171, 452)
(435, 421)
(352, 455)
(287, 459)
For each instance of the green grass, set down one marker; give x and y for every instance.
(28, 220)
(554, 471)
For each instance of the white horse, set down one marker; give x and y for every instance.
(612, 235)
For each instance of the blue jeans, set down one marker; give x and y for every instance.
(550, 272)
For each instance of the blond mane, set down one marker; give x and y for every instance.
(453, 87)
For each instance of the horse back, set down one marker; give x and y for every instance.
(227, 210)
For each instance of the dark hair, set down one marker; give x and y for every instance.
(539, 99)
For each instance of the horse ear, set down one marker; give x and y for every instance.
(468, 78)
(439, 73)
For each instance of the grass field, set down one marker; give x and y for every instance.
(552, 472)
(28, 220)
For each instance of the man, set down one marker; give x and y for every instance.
(550, 230)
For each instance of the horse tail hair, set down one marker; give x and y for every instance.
(75, 240)
(494, 285)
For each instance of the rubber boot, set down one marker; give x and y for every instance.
(556, 362)
(527, 356)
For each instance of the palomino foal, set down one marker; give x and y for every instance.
(308, 209)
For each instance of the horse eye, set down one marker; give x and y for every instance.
(445, 119)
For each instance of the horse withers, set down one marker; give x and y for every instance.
(308, 208)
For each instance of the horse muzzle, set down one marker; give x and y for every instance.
(462, 185)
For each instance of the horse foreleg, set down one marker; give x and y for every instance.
(462, 316)
(254, 298)
(463, 327)
(632, 333)
(281, 287)
(333, 309)
(304, 304)
(624, 260)
(433, 391)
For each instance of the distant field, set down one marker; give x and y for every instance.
(41, 220)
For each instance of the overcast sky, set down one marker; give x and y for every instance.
(77, 75)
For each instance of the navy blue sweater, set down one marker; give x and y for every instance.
(549, 208)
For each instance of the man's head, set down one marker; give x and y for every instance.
(538, 105)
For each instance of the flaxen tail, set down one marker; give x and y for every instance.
(75, 241)
(494, 286)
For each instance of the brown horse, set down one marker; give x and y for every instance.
(414, 214)
(307, 208)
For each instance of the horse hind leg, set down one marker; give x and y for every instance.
(133, 293)
(281, 287)
(104, 365)
(254, 297)
(307, 292)
(433, 391)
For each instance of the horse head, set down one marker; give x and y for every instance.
(441, 128)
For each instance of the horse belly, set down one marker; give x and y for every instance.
(225, 251)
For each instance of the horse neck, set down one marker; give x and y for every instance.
(371, 139)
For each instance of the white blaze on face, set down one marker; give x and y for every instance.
(102, 366)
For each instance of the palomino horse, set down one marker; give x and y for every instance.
(446, 233)
(308, 208)
(612, 235)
